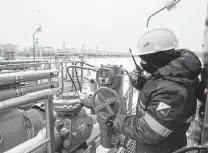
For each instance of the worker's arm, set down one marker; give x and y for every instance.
(155, 125)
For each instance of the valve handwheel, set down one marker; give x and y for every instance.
(105, 102)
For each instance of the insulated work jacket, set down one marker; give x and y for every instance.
(166, 102)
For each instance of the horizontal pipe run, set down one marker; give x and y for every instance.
(37, 146)
(19, 61)
(24, 100)
(31, 144)
(17, 77)
(17, 67)
(82, 67)
(20, 91)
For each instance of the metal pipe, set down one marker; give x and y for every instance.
(16, 92)
(94, 143)
(158, 12)
(50, 124)
(62, 76)
(5, 62)
(130, 104)
(37, 144)
(34, 44)
(82, 59)
(18, 66)
(73, 66)
(31, 144)
(82, 67)
(24, 100)
(38, 87)
(38, 29)
(154, 14)
(17, 77)
(81, 62)
(72, 76)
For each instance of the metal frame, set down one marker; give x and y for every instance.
(31, 98)
(47, 65)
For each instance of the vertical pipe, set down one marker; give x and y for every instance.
(65, 69)
(62, 76)
(73, 75)
(36, 68)
(50, 124)
(82, 60)
(49, 68)
(34, 45)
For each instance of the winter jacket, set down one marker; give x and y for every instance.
(166, 103)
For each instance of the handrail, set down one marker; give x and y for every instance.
(31, 98)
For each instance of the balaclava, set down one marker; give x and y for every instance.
(157, 60)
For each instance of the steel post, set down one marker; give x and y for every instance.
(82, 60)
(62, 76)
(50, 124)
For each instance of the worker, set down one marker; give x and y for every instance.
(167, 99)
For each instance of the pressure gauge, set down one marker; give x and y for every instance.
(104, 74)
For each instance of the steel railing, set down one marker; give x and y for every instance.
(34, 143)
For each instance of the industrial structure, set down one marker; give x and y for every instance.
(54, 107)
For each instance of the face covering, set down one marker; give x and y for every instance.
(149, 68)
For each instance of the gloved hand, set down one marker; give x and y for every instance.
(136, 78)
(109, 120)
(134, 75)
(119, 122)
(115, 123)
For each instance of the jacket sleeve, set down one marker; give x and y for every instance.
(153, 127)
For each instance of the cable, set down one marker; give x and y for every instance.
(77, 73)
(71, 78)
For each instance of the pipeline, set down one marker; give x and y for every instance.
(19, 61)
(81, 62)
(37, 144)
(24, 100)
(20, 91)
(18, 77)
(73, 66)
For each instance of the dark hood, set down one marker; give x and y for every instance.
(184, 69)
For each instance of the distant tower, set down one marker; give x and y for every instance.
(83, 48)
(97, 49)
(64, 45)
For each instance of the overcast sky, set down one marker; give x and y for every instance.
(113, 25)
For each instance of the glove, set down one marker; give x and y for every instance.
(134, 75)
(119, 122)
(137, 79)
(109, 120)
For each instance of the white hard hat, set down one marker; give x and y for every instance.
(157, 40)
